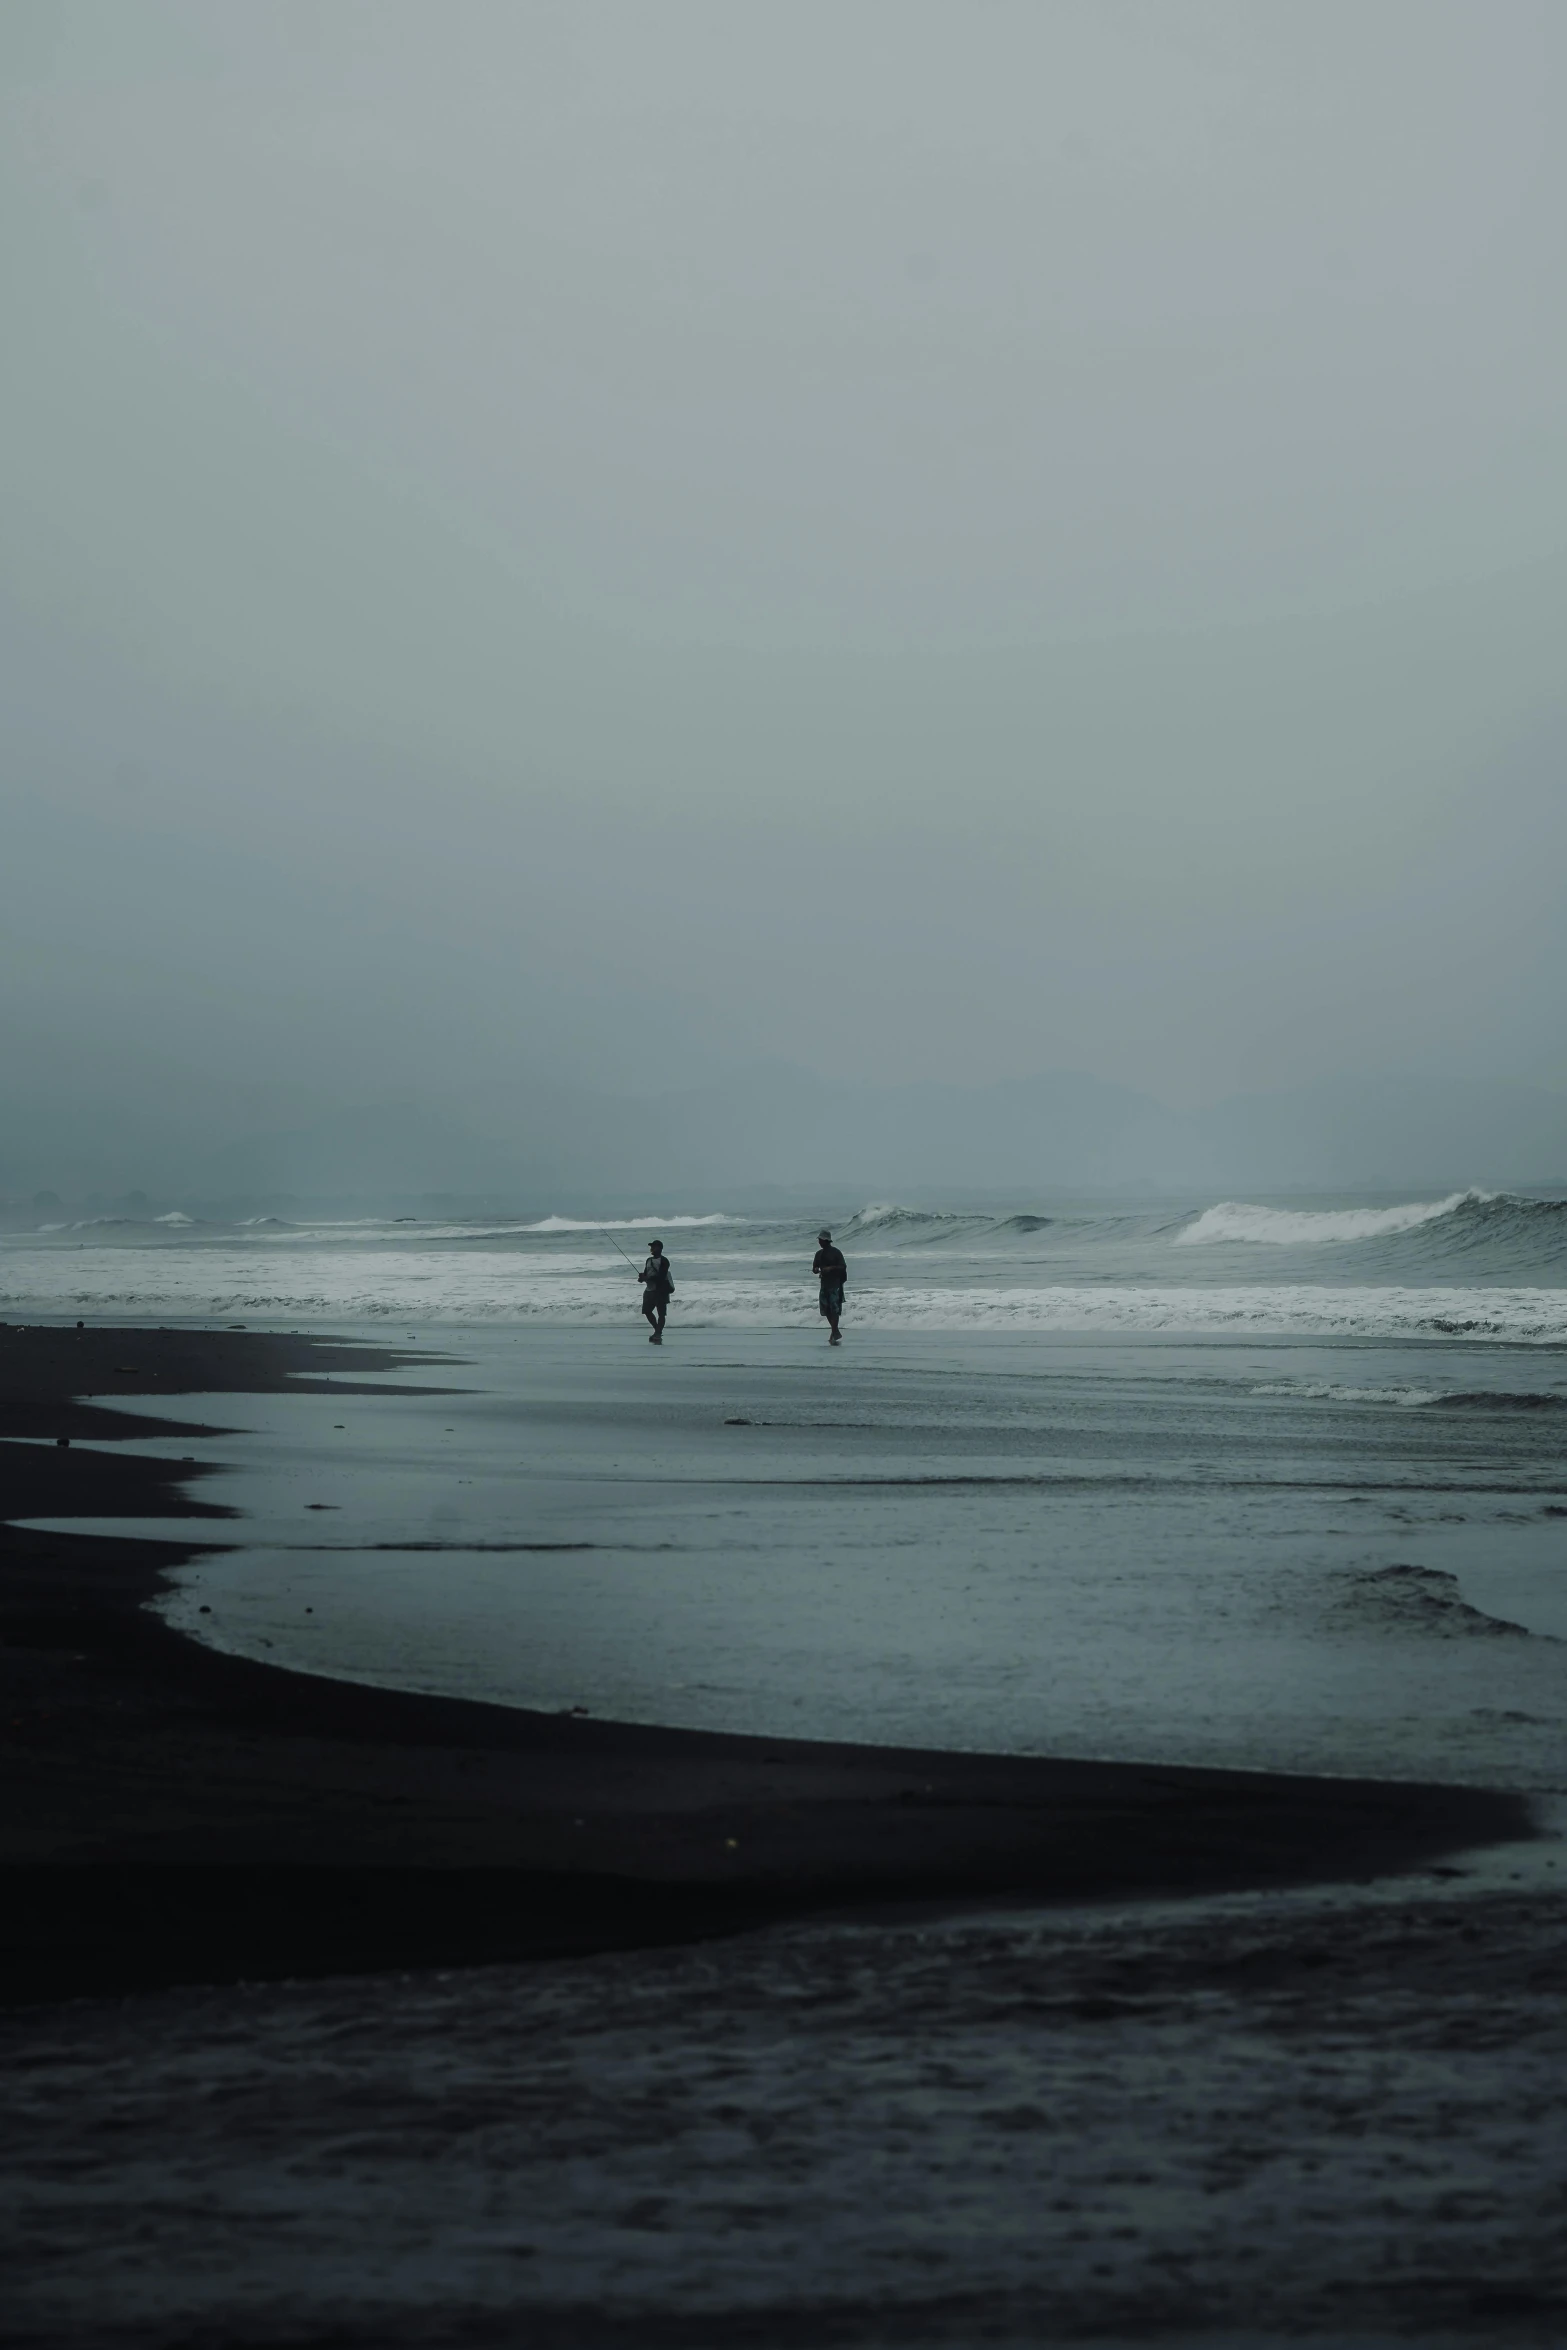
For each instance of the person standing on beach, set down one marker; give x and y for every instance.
(658, 1287)
(832, 1273)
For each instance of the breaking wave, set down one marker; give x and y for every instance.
(627, 1223)
(887, 1220)
(888, 1216)
(1309, 1227)
(1497, 1231)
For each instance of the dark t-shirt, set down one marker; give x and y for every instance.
(656, 1274)
(830, 1268)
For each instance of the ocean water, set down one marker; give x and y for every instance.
(1473, 1264)
(1281, 1486)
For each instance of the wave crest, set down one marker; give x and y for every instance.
(627, 1223)
(890, 1216)
(1234, 1220)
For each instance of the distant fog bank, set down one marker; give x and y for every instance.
(782, 1130)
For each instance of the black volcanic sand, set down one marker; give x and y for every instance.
(173, 1815)
(1330, 2116)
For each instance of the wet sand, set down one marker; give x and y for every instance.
(1314, 2117)
(176, 1814)
(959, 2048)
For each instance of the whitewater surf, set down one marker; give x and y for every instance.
(1474, 1264)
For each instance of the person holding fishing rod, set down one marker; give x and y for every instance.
(658, 1285)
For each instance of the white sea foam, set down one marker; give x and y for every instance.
(628, 1223)
(403, 1231)
(1331, 1391)
(1306, 1227)
(488, 1285)
(95, 1224)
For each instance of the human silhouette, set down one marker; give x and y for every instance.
(832, 1273)
(658, 1287)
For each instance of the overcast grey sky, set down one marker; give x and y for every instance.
(966, 539)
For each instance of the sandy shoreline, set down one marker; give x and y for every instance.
(252, 1821)
(1028, 2050)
